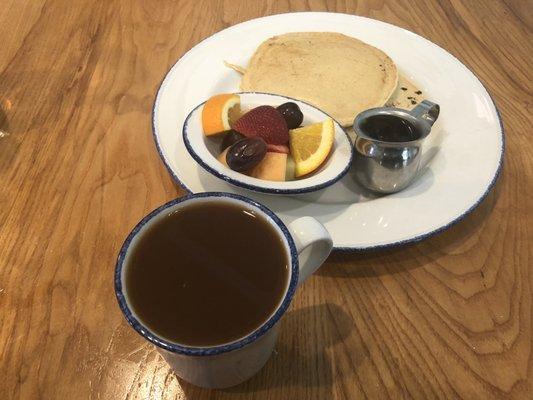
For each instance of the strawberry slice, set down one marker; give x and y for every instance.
(265, 122)
(278, 148)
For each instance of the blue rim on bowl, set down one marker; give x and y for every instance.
(223, 348)
(261, 189)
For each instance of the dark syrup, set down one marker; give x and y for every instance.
(389, 128)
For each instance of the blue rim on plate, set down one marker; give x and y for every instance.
(398, 243)
(256, 188)
(212, 350)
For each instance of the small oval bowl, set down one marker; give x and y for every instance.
(205, 150)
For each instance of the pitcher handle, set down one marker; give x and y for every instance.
(427, 111)
(313, 244)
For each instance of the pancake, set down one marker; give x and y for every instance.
(334, 72)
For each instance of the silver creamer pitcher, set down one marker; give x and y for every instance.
(388, 145)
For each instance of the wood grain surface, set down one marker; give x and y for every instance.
(450, 317)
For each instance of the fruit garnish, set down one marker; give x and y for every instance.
(265, 122)
(218, 111)
(291, 113)
(290, 169)
(246, 153)
(311, 145)
(278, 148)
(230, 138)
(271, 168)
(222, 157)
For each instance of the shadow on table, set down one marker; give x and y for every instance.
(361, 264)
(299, 358)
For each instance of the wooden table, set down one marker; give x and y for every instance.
(450, 317)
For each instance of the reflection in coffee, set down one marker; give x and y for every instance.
(206, 274)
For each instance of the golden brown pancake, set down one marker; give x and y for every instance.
(336, 73)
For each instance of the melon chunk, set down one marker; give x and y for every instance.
(222, 158)
(271, 168)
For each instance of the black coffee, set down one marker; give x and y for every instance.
(207, 274)
(389, 128)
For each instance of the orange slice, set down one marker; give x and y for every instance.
(311, 145)
(217, 113)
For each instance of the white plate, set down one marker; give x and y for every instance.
(468, 133)
(205, 150)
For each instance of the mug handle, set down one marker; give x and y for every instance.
(313, 244)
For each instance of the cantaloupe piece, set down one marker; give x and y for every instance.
(271, 168)
(222, 157)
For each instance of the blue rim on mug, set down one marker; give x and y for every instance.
(218, 349)
(260, 189)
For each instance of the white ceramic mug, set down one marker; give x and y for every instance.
(307, 244)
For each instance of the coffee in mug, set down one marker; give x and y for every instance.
(207, 277)
(207, 274)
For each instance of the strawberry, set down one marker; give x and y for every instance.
(265, 122)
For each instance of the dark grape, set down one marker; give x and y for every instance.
(292, 114)
(246, 153)
(229, 139)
